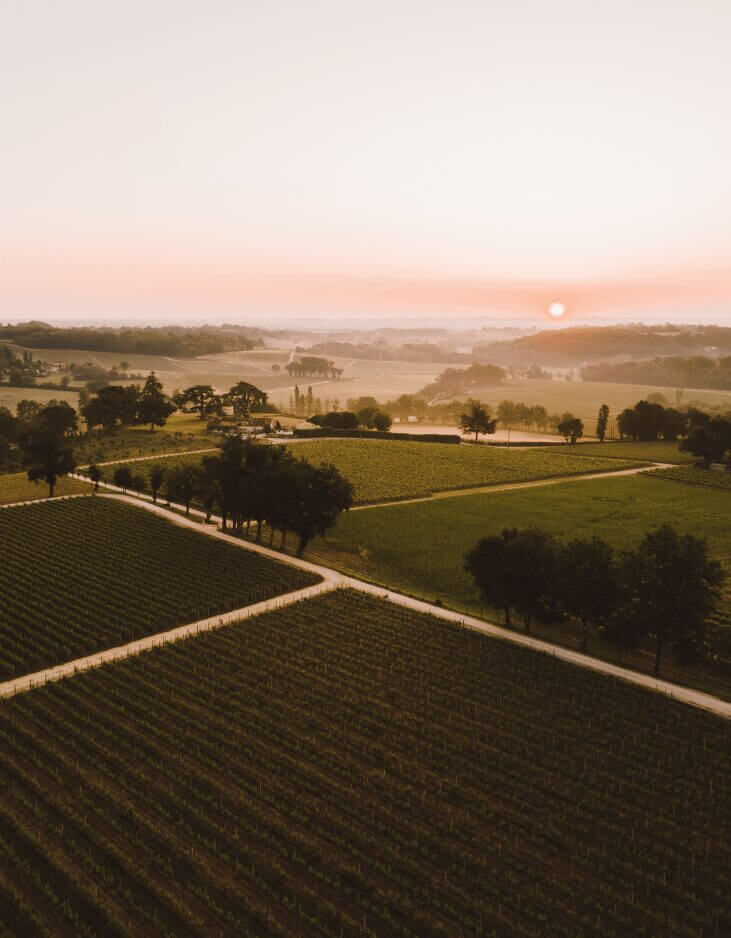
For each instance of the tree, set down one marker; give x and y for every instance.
(123, 477)
(95, 474)
(26, 411)
(59, 417)
(710, 441)
(138, 484)
(46, 454)
(243, 396)
(477, 419)
(153, 406)
(671, 588)
(200, 398)
(515, 570)
(587, 583)
(322, 493)
(336, 419)
(382, 421)
(602, 421)
(570, 428)
(157, 475)
(183, 484)
(111, 404)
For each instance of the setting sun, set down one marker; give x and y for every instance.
(556, 309)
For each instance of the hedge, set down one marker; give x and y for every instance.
(378, 435)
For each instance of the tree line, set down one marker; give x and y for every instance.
(250, 483)
(666, 588)
(695, 371)
(41, 437)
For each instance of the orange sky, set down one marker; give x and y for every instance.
(224, 159)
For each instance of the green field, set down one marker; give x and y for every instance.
(15, 487)
(302, 776)
(179, 434)
(659, 451)
(423, 544)
(584, 398)
(9, 397)
(385, 470)
(86, 574)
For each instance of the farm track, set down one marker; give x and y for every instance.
(332, 580)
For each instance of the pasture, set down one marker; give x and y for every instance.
(9, 397)
(90, 573)
(298, 775)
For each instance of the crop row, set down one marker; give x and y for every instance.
(348, 766)
(85, 574)
(383, 470)
(696, 476)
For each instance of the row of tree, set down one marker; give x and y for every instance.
(131, 404)
(309, 366)
(251, 483)
(478, 418)
(42, 437)
(371, 418)
(666, 588)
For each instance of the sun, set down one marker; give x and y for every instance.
(557, 309)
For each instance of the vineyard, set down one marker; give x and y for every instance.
(689, 474)
(85, 574)
(405, 777)
(386, 470)
(654, 451)
(15, 487)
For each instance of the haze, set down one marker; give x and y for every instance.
(222, 159)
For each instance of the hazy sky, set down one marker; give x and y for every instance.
(215, 158)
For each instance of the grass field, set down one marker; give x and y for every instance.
(15, 487)
(659, 451)
(300, 776)
(383, 470)
(86, 574)
(584, 398)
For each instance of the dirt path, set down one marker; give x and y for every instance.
(180, 452)
(332, 580)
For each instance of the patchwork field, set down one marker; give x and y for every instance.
(179, 434)
(86, 574)
(299, 776)
(383, 470)
(15, 487)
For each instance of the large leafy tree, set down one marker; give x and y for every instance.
(153, 406)
(243, 396)
(710, 440)
(111, 405)
(587, 583)
(570, 428)
(200, 398)
(321, 494)
(477, 419)
(671, 589)
(515, 570)
(46, 454)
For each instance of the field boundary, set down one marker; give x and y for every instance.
(332, 580)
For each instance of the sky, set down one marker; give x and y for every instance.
(227, 159)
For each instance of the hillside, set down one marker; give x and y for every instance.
(571, 347)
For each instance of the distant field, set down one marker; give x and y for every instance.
(15, 487)
(384, 470)
(659, 451)
(584, 398)
(349, 767)
(9, 397)
(82, 575)
(423, 543)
